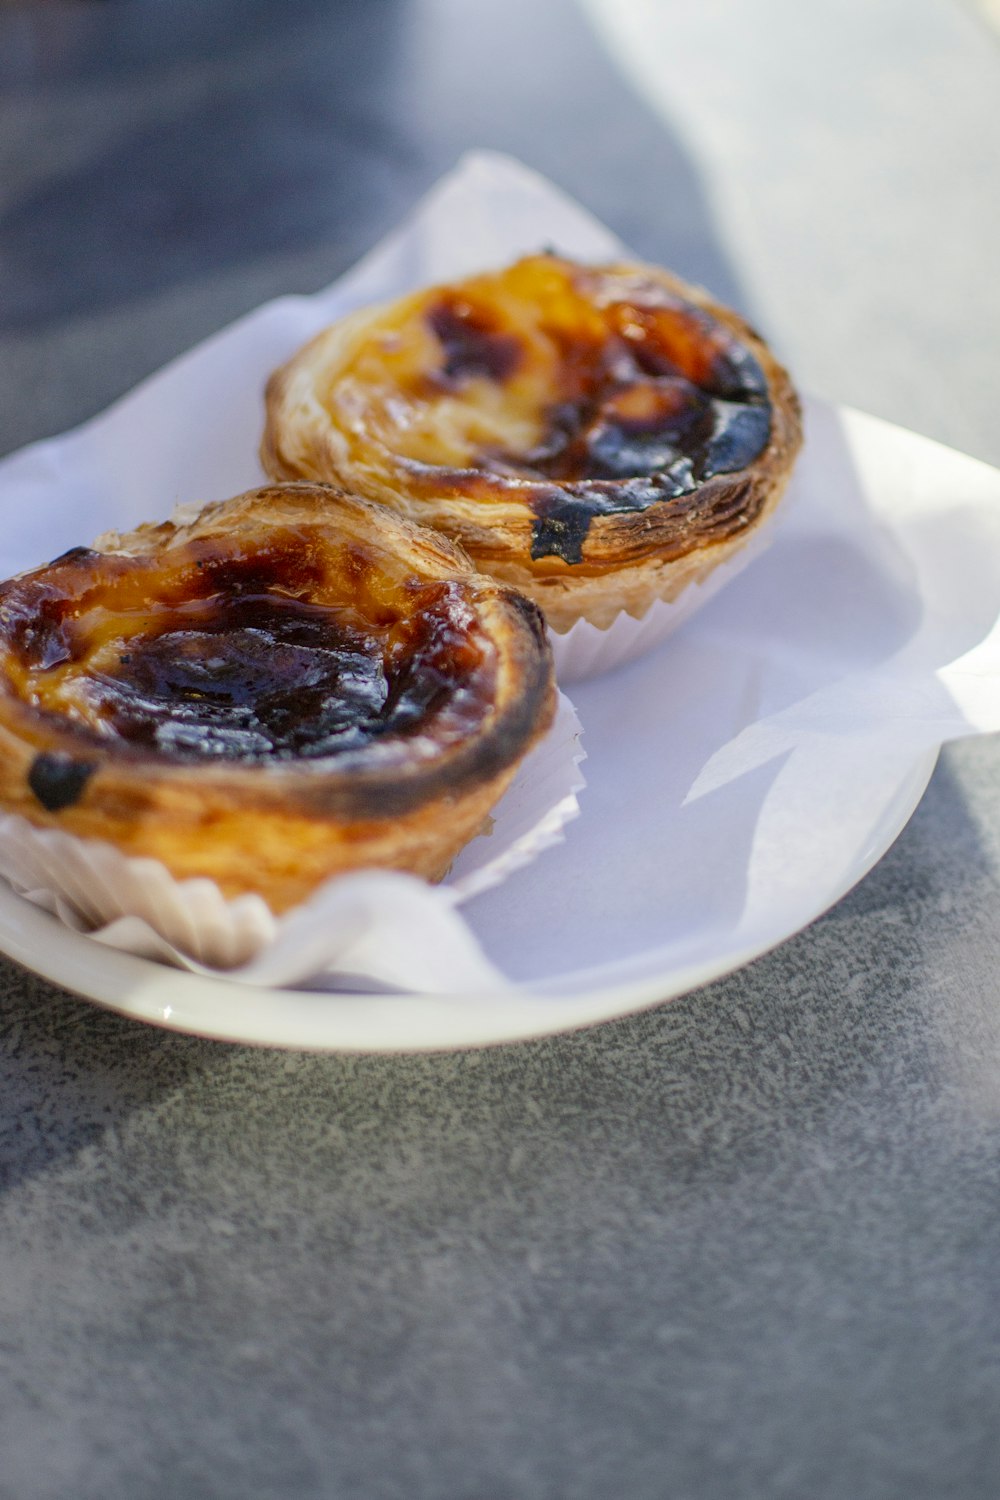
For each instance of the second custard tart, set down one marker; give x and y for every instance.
(293, 684)
(598, 436)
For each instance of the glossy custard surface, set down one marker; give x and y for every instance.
(270, 654)
(587, 390)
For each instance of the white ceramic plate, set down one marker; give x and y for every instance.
(740, 778)
(390, 1023)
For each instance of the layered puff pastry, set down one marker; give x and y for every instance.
(597, 436)
(292, 684)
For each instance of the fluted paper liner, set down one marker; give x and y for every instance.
(587, 650)
(382, 926)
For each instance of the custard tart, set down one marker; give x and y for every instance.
(292, 684)
(598, 436)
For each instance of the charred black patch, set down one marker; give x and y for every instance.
(739, 434)
(561, 526)
(245, 677)
(644, 428)
(640, 416)
(74, 554)
(57, 781)
(471, 343)
(564, 514)
(40, 636)
(270, 677)
(285, 564)
(736, 375)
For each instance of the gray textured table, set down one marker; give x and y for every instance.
(742, 1245)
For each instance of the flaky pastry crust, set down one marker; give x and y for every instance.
(293, 684)
(597, 436)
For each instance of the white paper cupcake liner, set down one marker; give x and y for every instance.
(376, 925)
(587, 650)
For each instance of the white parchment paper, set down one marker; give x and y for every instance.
(742, 776)
(739, 775)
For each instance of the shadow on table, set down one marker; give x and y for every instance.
(196, 139)
(71, 1076)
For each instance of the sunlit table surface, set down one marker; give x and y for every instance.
(743, 1245)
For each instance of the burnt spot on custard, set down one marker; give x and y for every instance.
(652, 397)
(57, 781)
(263, 677)
(245, 678)
(666, 402)
(240, 655)
(472, 342)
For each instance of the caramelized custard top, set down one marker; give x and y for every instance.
(588, 390)
(255, 652)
